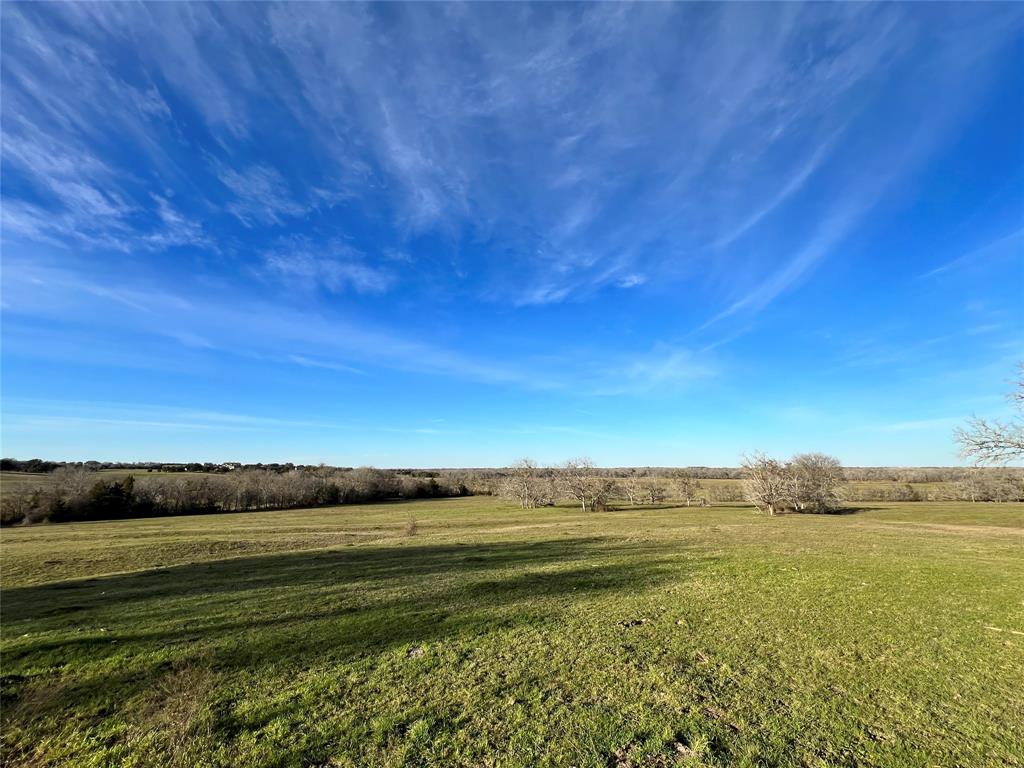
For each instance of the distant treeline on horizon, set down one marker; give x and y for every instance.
(905, 474)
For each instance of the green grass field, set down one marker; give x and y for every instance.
(46, 479)
(495, 636)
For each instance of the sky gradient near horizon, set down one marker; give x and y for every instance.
(456, 235)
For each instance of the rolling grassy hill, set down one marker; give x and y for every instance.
(893, 636)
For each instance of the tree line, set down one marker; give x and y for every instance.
(808, 482)
(593, 488)
(805, 483)
(480, 475)
(75, 493)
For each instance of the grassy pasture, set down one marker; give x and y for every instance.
(45, 479)
(496, 636)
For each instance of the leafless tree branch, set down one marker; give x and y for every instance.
(996, 442)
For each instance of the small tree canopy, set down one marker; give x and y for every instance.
(809, 482)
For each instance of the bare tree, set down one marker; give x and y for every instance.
(767, 482)
(687, 487)
(548, 490)
(632, 486)
(992, 441)
(814, 480)
(654, 490)
(523, 484)
(809, 482)
(371, 483)
(574, 480)
(580, 480)
(968, 487)
(17, 503)
(72, 482)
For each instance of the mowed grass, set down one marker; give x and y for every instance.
(495, 636)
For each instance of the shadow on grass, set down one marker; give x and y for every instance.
(844, 511)
(851, 510)
(114, 636)
(839, 512)
(662, 506)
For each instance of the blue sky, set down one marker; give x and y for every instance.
(454, 235)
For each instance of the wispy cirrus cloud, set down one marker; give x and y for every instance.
(308, 362)
(69, 414)
(544, 200)
(261, 194)
(229, 324)
(242, 325)
(1007, 245)
(666, 364)
(584, 140)
(829, 235)
(334, 266)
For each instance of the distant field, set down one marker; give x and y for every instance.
(45, 478)
(494, 636)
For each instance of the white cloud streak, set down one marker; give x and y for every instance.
(1011, 244)
(578, 148)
